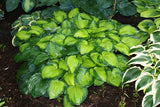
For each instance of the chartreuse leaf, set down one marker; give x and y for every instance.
(98, 82)
(110, 58)
(60, 16)
(77, 94)
(85, 46)
(81, 23)
(114, 37)
(56, 88)
(23, 47)
(107, 44)
(150, 13)
(40, 21)
(54, 50)
(28, 5)
(147, 100)
(51, 71)
(129, 41)
(12, 4)
(127, 30)
(73, 63)
(131, 74)
(94, 56)
(23, 35)
(66, 102)
(70, 41)
(107, 24)
(122, 62)
(122, 48)
(114, 77)
(83, 77)
(69, 78)
(40, 58)
(66, 24)
(62, 65)
(100, 73)
(144, 81)
(82, 33)
(58, 38)
(42, 43)
(37, 30)
(50, 26)
(87, 62)
(73, 12)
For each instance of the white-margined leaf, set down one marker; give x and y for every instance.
(144, 81)
(136, 49)
(131, 74)
(147, 100)
(142, 59)
(150, 70)
(156, 52)
(157, 65)
(77, 94)
(155, 37)
(155, 45)
(156, 92)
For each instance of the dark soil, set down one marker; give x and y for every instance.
(102, 96)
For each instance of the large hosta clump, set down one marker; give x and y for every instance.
(146, 70)
(67, 53)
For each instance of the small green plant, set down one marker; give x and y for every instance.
(146, 70)
(148, 8)
(67, 53)
(1, 14)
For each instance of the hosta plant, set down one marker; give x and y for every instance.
(146, 70)
(148, 8)
(68, 52)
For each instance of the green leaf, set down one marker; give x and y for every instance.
(69, 78)
(84, 78)
(12, 4)
(144, 81)
(150, 13)
(52, 26)
(100, 73)
(94, 56)
(72, 63)
(58, 38)
(136, 49)
(131, 74)
(107, 44)
(43, 42)
(98, 82)
(114, 37)
(51, 71)
(70, 41)
(155, 37)
(28, 5)
(81, 23)
(127, 30)
(66, 102)
(129, 41)
(105, 3)
(66, 24)
(77, 94)
(23, 35)
(147, 100)
(40, 58)
(114, 77)
(36, 30)
(122, 48)
(156, 92)
(56, 88)
(122, 62)
(107, 24)
(156, 52)
(87, 62)
(23, 47)
(82, 33)
(110, 58)
(60, 15)
(62, 65)
(85, 46)
(73, 12)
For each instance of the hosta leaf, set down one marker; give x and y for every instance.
(114, 37)
(155, 45)
(23, 35)
(72, 63)
(70, 41)
(60, 15)
(69, 78)
(82, 33)
(108, 25)
(37, 30)
(12, 4)
(40, 58)
(73, 12)
(156, 94)
(42, 43)
(136, 49)
(122, 48)
(94, 56)
(114, 77)
(144, 81)
(107, 44)
(147, 100)
(80, 23)
(77, 94)
(127, 30)
(150, 13)
(23, 47)
(66, 24)
(58, 38)
(84, 78)
(28, 5)
(56, 88)
(110, 58)
(155, 37)
(157, 64)
(129, 41)
(66, 102)
(87, 62)
(122, 62)
(100, 73)
(98, 82)
(52, 26)
(156, 52)
(85, 46)
(131, 74)
(51, 71)
(62, 65)
(100, 34)
(142, 59)
(150, 70)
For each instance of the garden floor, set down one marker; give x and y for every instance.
(102, 96)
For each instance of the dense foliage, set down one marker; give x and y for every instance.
(148, 8)
(67, 53)
(99, 8)
(146, 69)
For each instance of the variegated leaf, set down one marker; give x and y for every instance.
(156, 52)
(156, 92)
(136, 49)
(147, 100)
